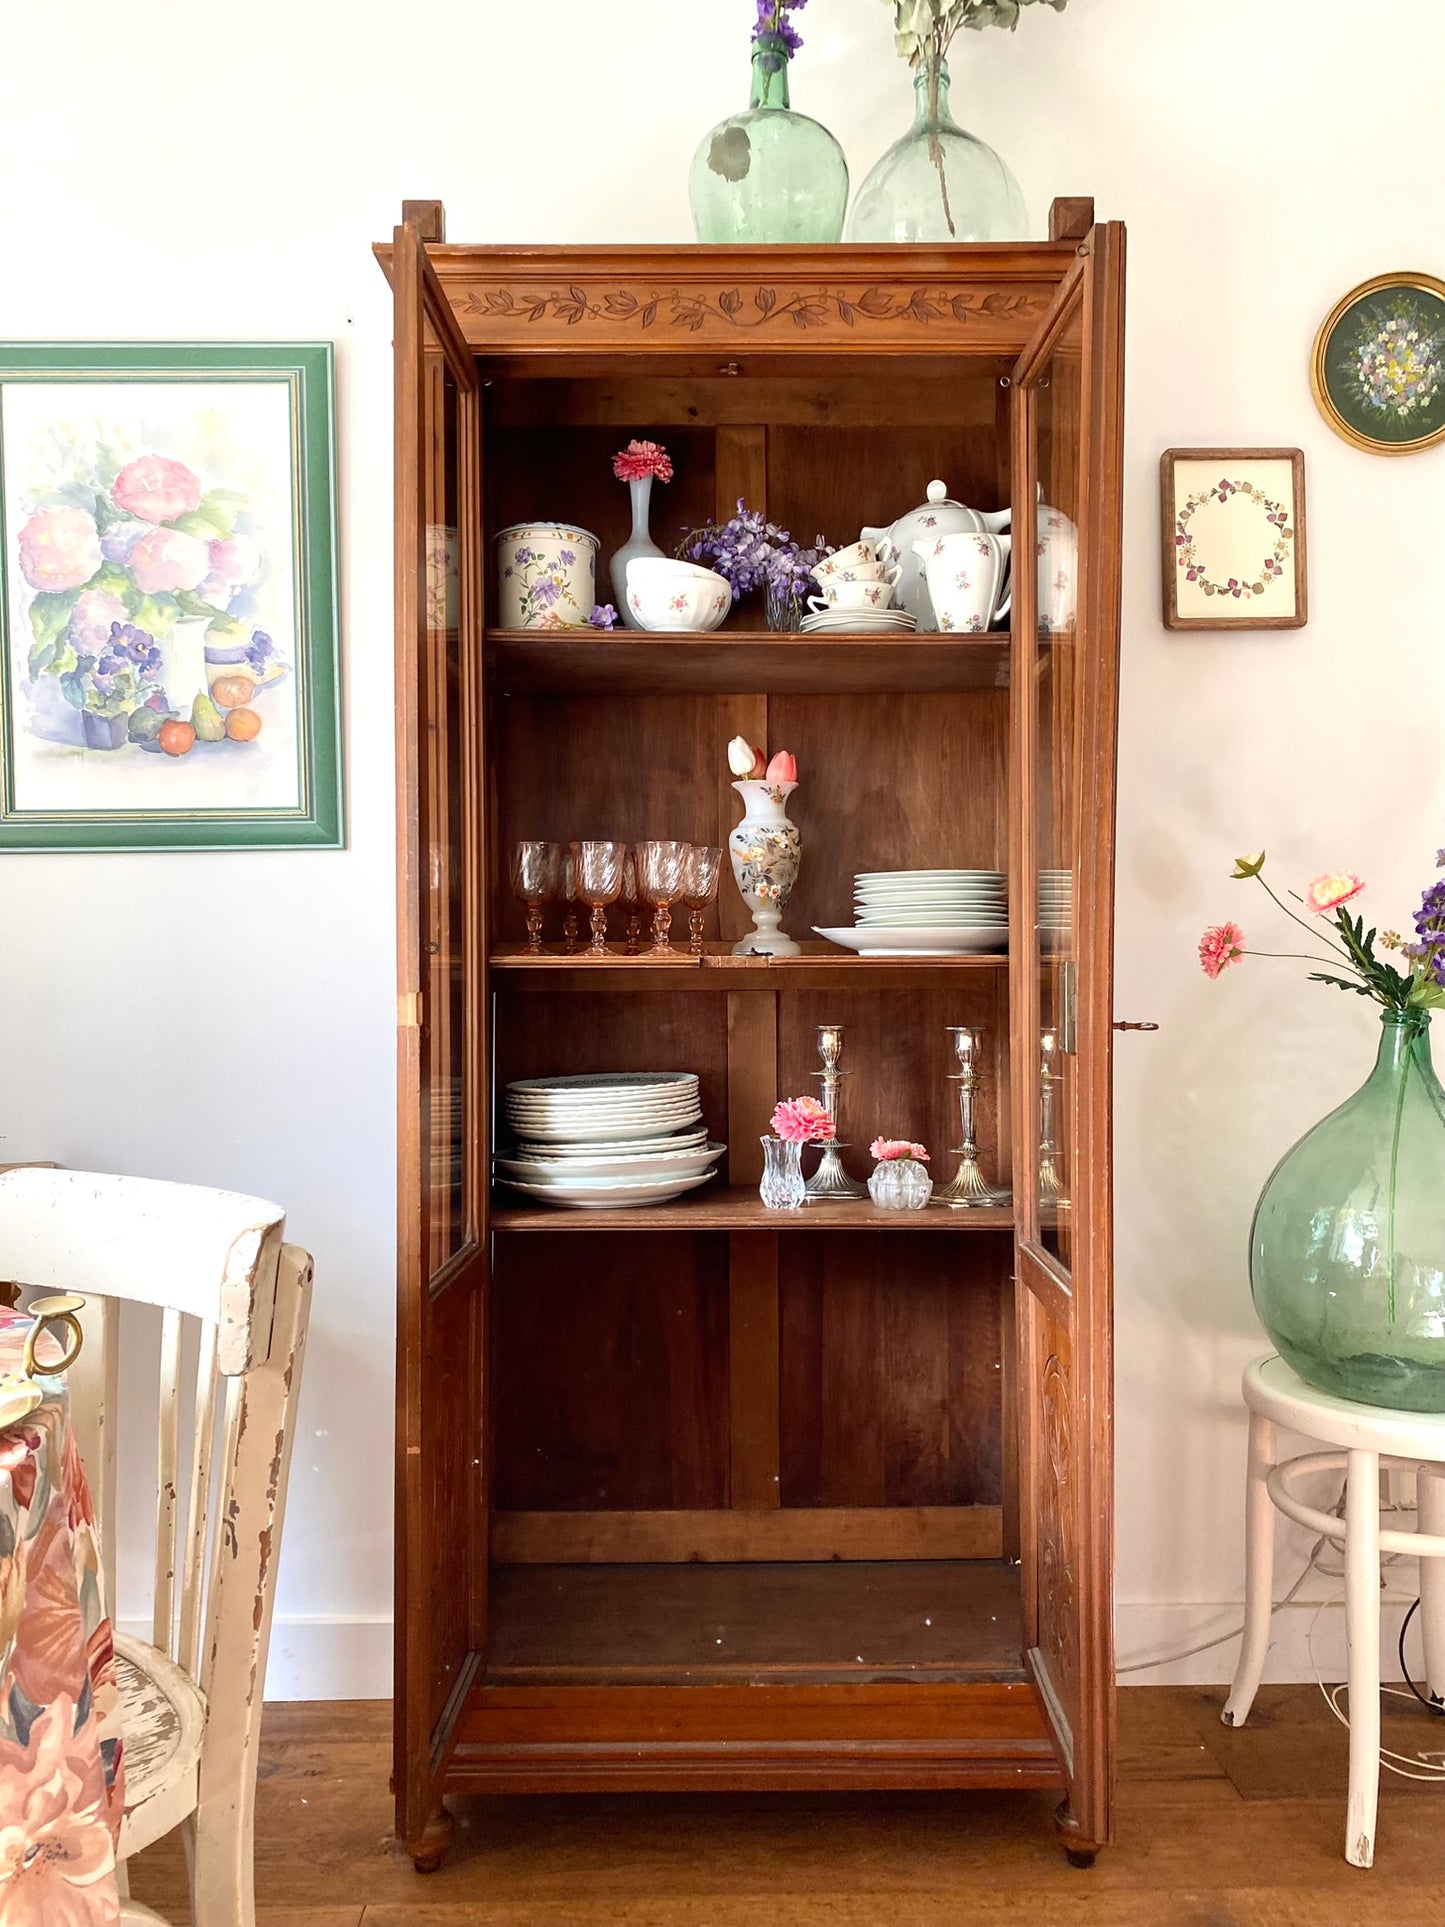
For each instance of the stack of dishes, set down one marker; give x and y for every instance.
(859, 622)
(911, 913)
(1056, 908)
(602, 1143)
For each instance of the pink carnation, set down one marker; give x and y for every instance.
(802, 1120)
(1332, 889)
(165, 559)
(156, 489)
(59, 549)
(887, 1150)
(1220, 946)
(641, 459)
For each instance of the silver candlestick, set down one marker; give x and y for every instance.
(830, 1180)
(968, 1188)
(1050, 1190)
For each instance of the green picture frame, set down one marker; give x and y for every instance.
(169, 637)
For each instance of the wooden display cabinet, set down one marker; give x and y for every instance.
(703, 1496)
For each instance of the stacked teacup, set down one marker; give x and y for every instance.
(855, 593)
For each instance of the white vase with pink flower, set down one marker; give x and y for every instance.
(766, 847)
(640, 464)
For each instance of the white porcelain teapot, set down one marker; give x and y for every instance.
(939, 515)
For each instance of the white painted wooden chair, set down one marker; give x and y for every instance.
(1365, 1437)
(190, 1699)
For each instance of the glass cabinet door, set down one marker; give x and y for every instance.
(1066, 534)
(442, 1116)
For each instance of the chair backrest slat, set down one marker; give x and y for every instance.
(167, 1473)
(198, 1502)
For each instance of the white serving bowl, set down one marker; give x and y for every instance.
(676, 595)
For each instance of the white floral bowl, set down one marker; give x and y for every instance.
(676, 595)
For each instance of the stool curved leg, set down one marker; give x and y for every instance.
(1258, 1572)
(1430, 1490)
(1362, 1630)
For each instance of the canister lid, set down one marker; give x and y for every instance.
(558, 531)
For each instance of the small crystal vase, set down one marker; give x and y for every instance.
(900, 1184)
(640, 542)
(782, 1185)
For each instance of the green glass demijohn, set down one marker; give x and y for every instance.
(1347, 1251)
(938, 183)
(768, 174)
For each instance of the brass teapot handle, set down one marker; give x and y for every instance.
(59, 1310)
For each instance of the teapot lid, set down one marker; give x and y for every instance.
(938, 494)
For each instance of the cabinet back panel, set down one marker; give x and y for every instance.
(890, 1382)
(610, 1373)
(838, 480)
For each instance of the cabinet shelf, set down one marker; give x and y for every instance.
(739, 1208)
(821, 966)
(737, 661)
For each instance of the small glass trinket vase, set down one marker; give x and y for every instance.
(768, 174)
(782, 1185)
(900, 1184)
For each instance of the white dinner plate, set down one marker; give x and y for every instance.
(597, 1133)
(641, 1168)
(559, 1153)
(950, 876)
(918, 940)
(589, 1083)
(608, 1194)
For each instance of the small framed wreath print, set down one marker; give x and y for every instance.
(1378, 371)
(1233, 525)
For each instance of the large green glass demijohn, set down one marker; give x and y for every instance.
(938, 183)
(769, 174)
(1347, 1250)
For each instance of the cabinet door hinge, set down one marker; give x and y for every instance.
(409, 1010)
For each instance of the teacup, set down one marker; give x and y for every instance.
(855, 595)
(967, 577)
(835, 566)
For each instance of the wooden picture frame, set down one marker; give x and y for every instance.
(1220, 571)
(168, 609)
(1378, 365)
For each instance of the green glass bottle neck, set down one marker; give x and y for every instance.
(930, 95)
(1404, 1034)
(770, 72)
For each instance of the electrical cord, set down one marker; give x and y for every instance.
(1427, 1700)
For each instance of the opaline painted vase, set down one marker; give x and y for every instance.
(640, 542)
(766, 850)
(1347, 1251)
(768, 174)
(938, 183)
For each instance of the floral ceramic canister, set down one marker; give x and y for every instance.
(546, 576)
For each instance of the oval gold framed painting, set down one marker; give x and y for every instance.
(1379, 364)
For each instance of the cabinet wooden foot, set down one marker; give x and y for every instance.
(429, 1851)
(1078, 1851)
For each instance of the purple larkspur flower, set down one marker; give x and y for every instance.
(604, 616)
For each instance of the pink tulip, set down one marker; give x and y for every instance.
(59, 549)
(167, 560)
(783, 768)
(156, 489)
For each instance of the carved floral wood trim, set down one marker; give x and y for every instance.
(752, 308)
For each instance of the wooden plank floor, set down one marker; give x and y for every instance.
(1216, 1829)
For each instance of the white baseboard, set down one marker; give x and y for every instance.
(1146, 1630)
(322, 1657)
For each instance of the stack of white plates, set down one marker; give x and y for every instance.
(927, 913)
(859, 622)
(607, 1142)
(1055, 907)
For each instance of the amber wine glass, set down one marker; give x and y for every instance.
(659, 874)
(699, 886)
(536, 868)
(599, 882)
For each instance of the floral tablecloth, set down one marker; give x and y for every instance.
(62, 1782)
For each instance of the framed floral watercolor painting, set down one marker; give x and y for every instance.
(168, 676)
(1379, 364)
(1233, 528)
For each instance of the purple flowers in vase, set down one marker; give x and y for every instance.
(750, 553)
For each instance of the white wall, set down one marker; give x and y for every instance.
(192, 172)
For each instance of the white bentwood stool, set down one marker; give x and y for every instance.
(1365, 1437)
